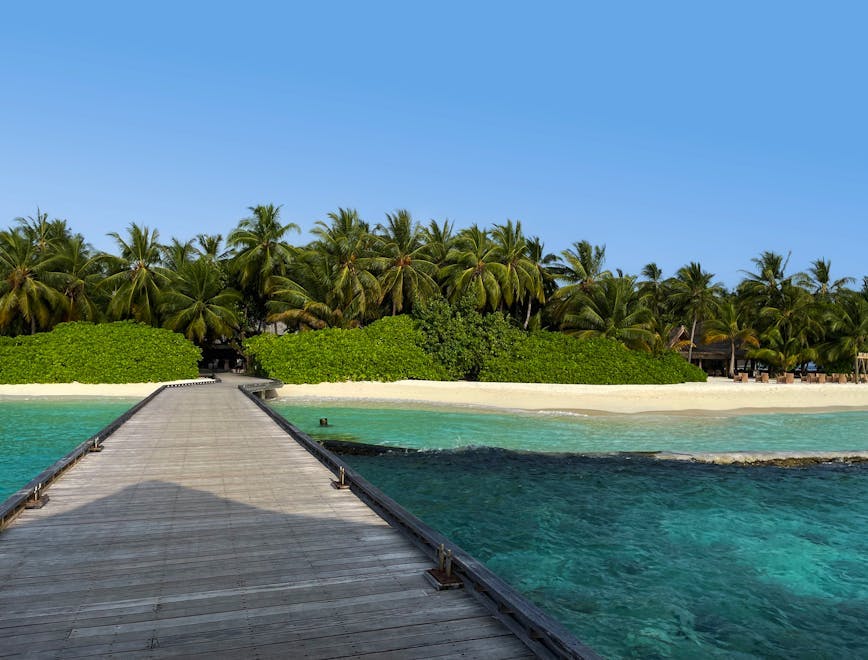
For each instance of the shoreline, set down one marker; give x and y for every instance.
(713, 396)
(86, 390)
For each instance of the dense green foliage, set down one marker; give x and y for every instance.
(552, 357)
(387, 350)
(121, 352)
(457, 343)
(463, 340)
(353, 273)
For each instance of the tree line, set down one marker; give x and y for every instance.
(353, 273)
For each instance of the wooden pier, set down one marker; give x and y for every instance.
(202, 529)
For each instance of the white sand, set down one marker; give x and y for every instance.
(718, 394)
(137, 390)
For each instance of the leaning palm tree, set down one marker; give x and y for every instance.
(198, 305)
(728, 324)
(611, 309)
(695, 294)
(408, 274)
(474, 270)
(135, 283)
(25, 297)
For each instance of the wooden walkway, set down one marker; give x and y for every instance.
(203, 530)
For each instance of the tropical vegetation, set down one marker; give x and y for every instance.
(476, 295)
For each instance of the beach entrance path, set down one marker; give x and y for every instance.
(203, 529)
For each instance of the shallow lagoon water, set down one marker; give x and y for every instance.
(451, 428)
(642, 558)
(34, 433)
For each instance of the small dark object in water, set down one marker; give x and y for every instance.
(323, 421)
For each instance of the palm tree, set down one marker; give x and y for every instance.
(24, 295)
(653, 289)
(850, 330)
(198, 305)
(75, 270)
(581, 268)
(409, 274)
(521, 278)
(135, 285)
(210, 246)
(344, 248)
(795, 322)
(439, 239)
(474, 270)
(728, 324)
(694, 293)
(611, 309)
(42, 232)
(542, 262)
(819, 281)
(176, 254)
(260, 248)
(763, 287)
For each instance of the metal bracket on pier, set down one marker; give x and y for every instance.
(95, 447)
(442, 578)
(38, 500)
(341, 483)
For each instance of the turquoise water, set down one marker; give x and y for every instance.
(34, 433)
(651, 559)
(642, 558)
(445, 428)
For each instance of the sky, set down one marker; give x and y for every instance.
(669, 132)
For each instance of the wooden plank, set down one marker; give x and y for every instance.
(203, 529)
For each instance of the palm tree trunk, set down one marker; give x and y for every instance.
(731, 358)
(33, 326)
(692, 333)
(527, 315)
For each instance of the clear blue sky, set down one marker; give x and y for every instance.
(672, 132)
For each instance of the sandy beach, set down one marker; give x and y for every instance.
(139, 390)
(718, 394)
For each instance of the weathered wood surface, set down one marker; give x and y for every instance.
(202, 529)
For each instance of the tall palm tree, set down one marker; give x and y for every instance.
(763, 287)
(439, 239)
(819, 281)
(210, 246)
(695, 294)
(135, 284)
(75, 270)
(728, 324)
(581, 268)
(474, 270)
(850, 330)
(344, 248)
(177, 253)
(612, 309)
(653, 289)
(261, 250)
(24, 294)
(198, 305)
(42, 232)
(408, 274)
(543, 262)
(520, 280)
(798, 321)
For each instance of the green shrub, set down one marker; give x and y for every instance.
(462, 339)
(552, 357)
(389, 349)
(123, 352)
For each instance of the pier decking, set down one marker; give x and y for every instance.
(202, 529)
